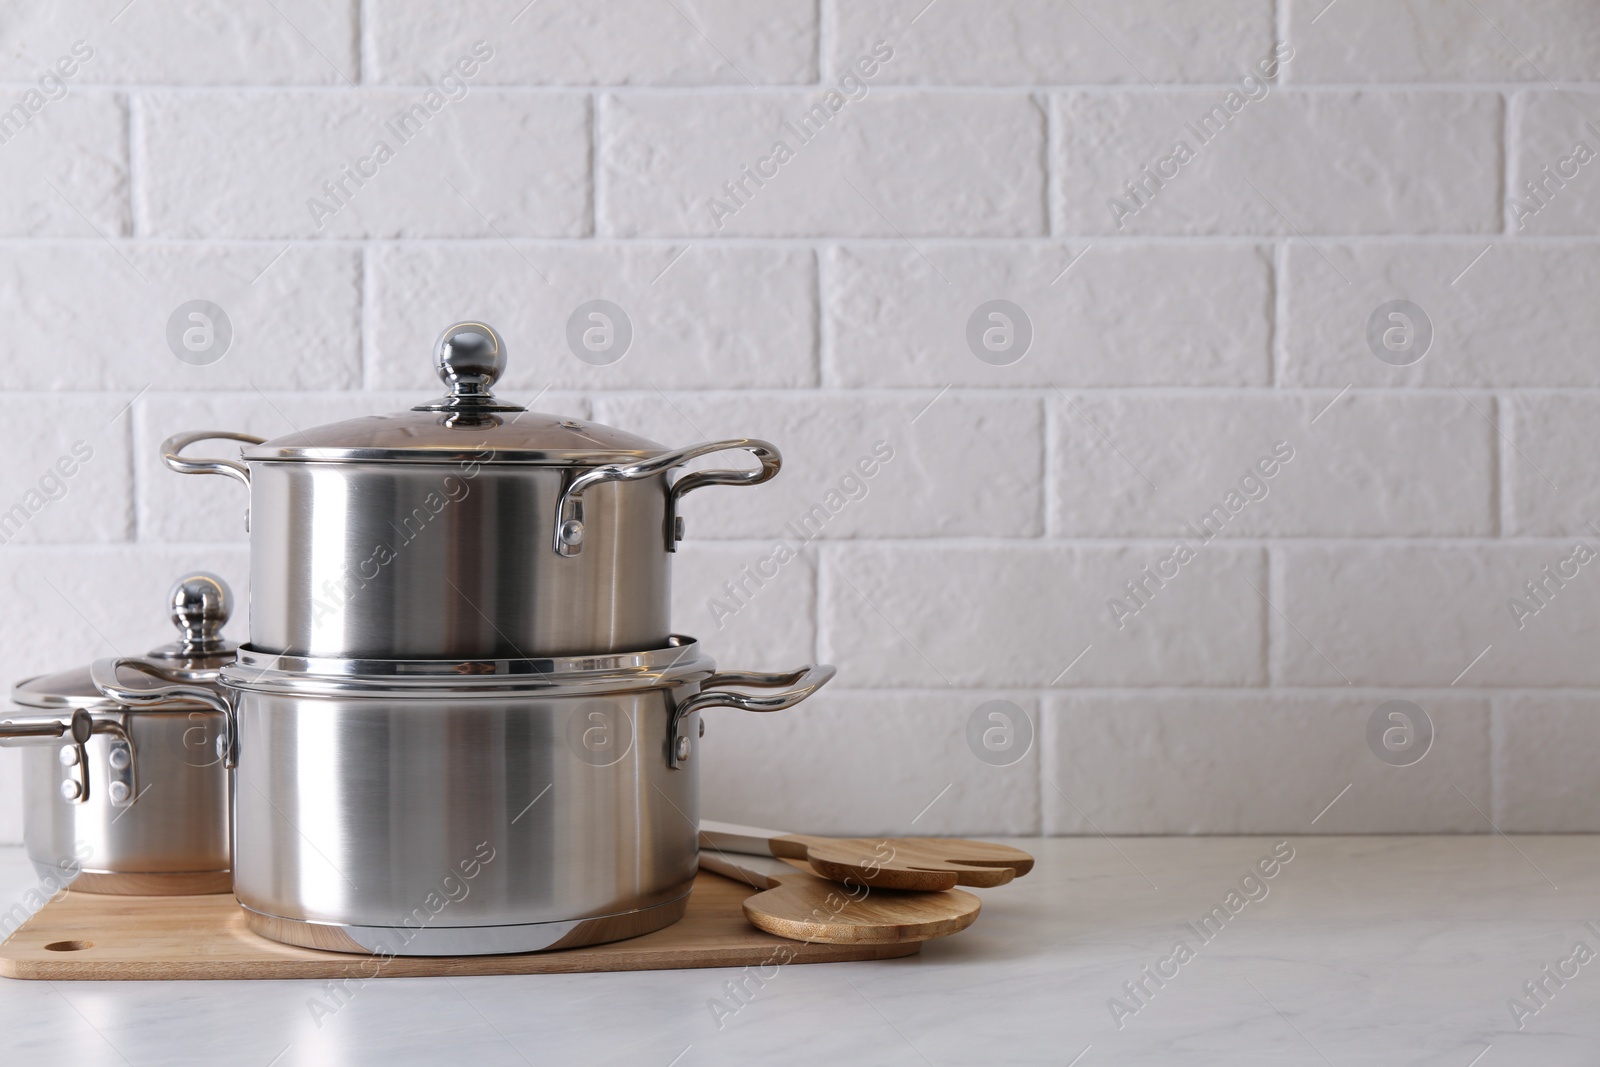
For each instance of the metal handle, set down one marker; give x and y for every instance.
(771, 462)
(103, 673)
(805, 681)
(75, 754)
(172, 448)
(569, 510)
(802, 683)
(19, 734)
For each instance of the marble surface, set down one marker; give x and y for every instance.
(1358, 950)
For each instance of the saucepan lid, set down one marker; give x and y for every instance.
(199, 605)
(469, 424)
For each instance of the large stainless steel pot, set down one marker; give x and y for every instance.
(471, 807)
(467, 527)
(118, 799)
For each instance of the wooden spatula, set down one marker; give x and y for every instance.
(926, 864)
(799, 905)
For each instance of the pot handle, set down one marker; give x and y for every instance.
(771, 461)
(569, 510)
(172, 449)
(802, 683)
(103, 673)
(77, 730)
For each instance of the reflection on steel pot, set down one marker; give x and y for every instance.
(456, 808)
(466, 527)
(122, 799)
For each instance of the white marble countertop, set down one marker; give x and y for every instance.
(1361, 950)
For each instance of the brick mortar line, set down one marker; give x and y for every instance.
(1278, 316)
(975, 544)
(822, 593)
(369, 319)
(1354, 693)
(907, 393)
(1052, 151)
(363, 23)
(135, 154)
(1497, 747)
(1042, 240)
(595, 169)
(1268, 647)
(1501, 489)
(1047, 745)
(931, 89)
(1510, 133)
(131, 434)
(1051, 495)
(827, 32)
(1164, 540)
(822, 354)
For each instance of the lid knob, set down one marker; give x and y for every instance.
(201, 604)
(469, 357)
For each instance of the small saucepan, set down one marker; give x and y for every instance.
(122, 799)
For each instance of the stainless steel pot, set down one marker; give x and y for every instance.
(128, 801)
(471, 807)
(464, 528)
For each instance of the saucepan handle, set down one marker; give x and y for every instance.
(172, 454)
(800, 684)
(796, 686)
(76, 731)
(569, 509)
(105, 675)
(24, 732)
(770, 461)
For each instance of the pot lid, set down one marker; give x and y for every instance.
(199, 604)
(468, 424)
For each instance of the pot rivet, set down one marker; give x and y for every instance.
(683, 747)
(118, 758)
(571, 532)
(68, 755)
(119, 792)
(702, 727)
(677, 527)
(71, 790)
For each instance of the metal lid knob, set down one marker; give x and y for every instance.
(469, 357)
(200, 605)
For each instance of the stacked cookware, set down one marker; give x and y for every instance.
(462, 723)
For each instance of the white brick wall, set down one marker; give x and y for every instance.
(1023, 542)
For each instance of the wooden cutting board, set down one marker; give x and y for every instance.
(106, 938)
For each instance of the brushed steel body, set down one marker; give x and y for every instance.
(400, 561)
(175, 838)
(436, 818)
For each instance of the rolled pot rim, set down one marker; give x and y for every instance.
(389, 458)
(266, 672)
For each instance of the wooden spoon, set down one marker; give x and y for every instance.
(799, 905)
(927, 864)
